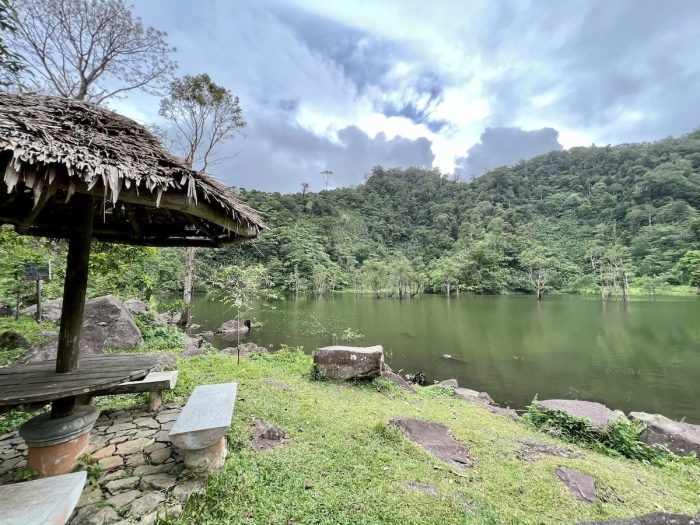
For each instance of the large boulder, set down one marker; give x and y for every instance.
(235, 327)
(135, 306)
(50, 310)
(599, 416)
(349, 362)
(680, 438)
(10, 340)
(107, 325)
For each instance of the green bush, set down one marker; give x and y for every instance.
(621, 439)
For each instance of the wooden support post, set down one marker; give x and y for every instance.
(74, 290)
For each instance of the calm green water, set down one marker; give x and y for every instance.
(643, 355)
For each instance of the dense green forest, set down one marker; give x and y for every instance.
(588, 220)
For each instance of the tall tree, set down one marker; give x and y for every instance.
(326, 175)
(204, 115)
(90, 49)
(304, 189)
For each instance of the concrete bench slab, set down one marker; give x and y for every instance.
(200, 430)
(154, 383)
(48, 501)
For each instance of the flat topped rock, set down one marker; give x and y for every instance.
(349, 362)
(657, 518)
(681, 438)
(600, 416)
(435, 438)
(206, 416)
(48, 501)
(581, 485)
(473, 396)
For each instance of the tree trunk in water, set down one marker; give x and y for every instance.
(188, 287)
(447, 289)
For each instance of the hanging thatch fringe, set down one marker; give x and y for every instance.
(101, 151)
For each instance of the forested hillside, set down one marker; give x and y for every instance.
(587, 219)
(598, 220)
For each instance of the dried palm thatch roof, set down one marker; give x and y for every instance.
(52, 148)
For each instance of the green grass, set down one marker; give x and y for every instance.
(340, 444)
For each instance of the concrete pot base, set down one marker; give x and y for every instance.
(207, 459)
(54, 445)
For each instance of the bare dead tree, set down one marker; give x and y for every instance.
(326, 174)
(203, 115)
(89, 49)
(304, 189)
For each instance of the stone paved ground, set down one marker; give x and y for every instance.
(141, 474)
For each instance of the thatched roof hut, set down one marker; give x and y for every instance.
(53, 148)
(76, 171)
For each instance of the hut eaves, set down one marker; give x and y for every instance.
(52, 148)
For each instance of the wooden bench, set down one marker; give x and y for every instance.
(47, 501)
(154, 383)
(200, 430)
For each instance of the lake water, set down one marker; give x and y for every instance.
(641, 355)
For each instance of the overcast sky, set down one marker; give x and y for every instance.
(461, 86)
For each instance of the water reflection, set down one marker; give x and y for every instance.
(643, 355)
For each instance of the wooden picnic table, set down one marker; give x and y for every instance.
(36, 383)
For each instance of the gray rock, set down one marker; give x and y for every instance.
(146, 504)
(122, 499)
(388, 373)
(158, 481)
(348, 362)
(505, 412)
(449, 383)
(11, 340)
(119, 485)
(246, 350)
(657, 518)
(160, 456)
(233, 327)
(208, 336)
(680, 438)
(600, 416)
(581, 485)
(136, 306)
(435, 438)
(50, 310)
(91, 515)
(107, 325)
(535, 450)
(267, 436)
(481, 398)
(194, 346)
(145, 470)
